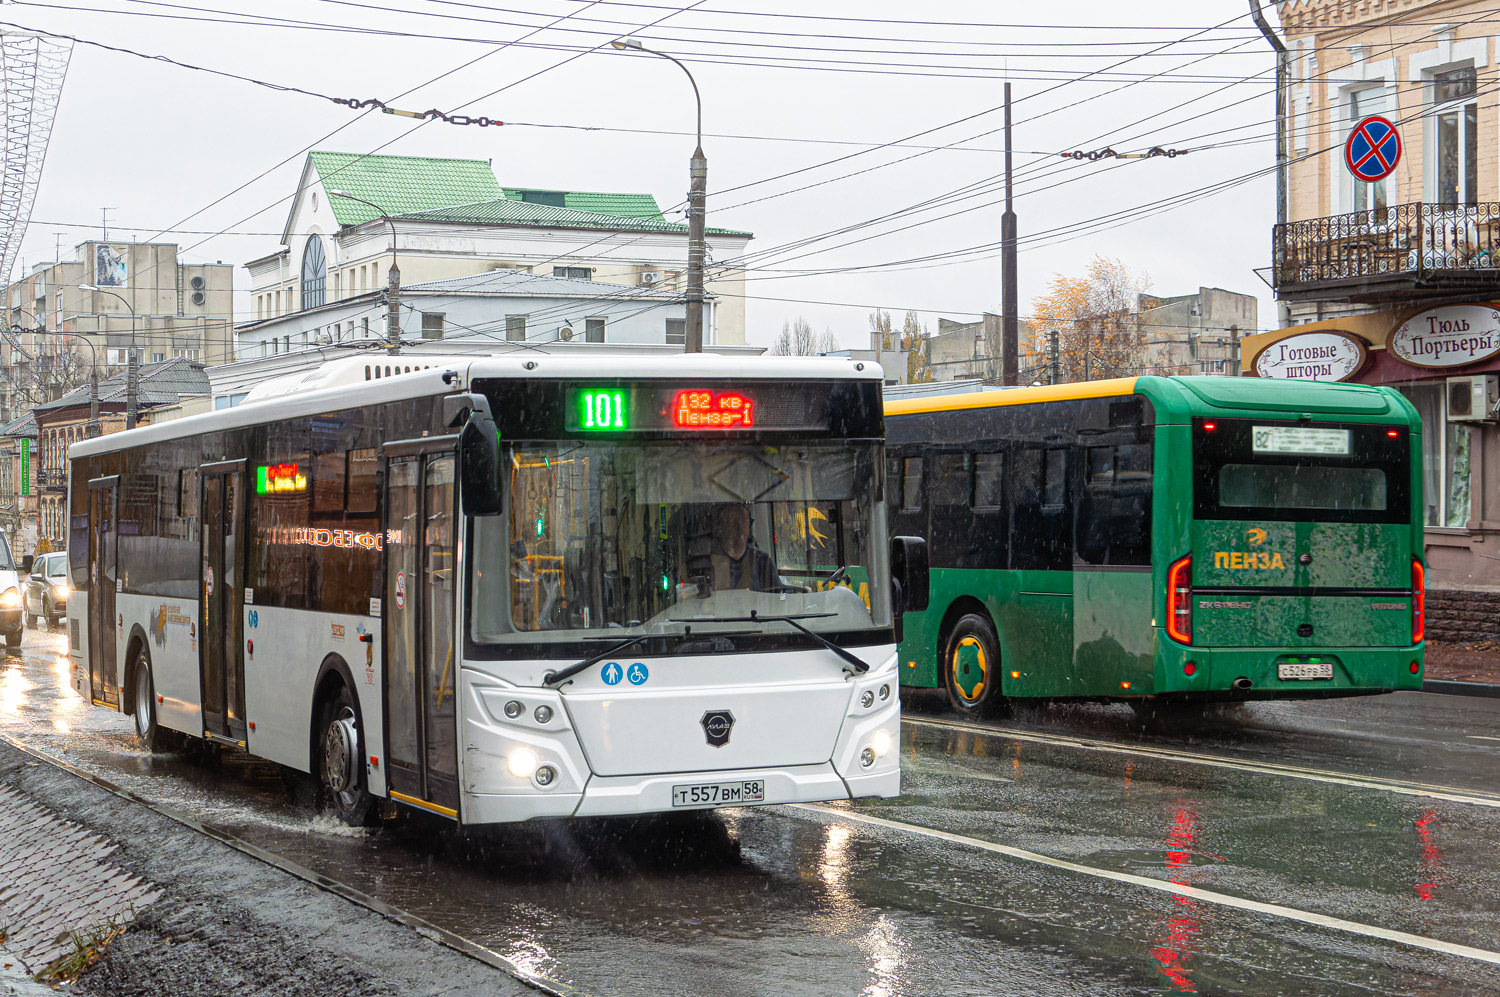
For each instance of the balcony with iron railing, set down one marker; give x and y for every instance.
(1387, 252)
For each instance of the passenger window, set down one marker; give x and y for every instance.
(328, 483)
(989, 473)
(361, 478)
(1055, 480)
(950, 479)
(911, 484)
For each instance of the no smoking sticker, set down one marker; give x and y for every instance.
(400, 590)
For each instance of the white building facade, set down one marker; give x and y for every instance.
(450, 218)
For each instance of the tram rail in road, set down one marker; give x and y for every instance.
(426, 928)
(1448, 793)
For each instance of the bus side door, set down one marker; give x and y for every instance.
(221, 586)
(1036, 634)
(421, 640)
(103, 577)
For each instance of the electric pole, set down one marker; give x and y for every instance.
(1010, 329)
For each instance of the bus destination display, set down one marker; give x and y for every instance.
(622, 409)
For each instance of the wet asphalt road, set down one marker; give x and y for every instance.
(810, 901)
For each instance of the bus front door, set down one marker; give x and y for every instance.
(220, 641)
(421, 666)
(103, 582)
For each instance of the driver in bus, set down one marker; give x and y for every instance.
(737, 562)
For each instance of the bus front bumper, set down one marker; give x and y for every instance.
(629, 795)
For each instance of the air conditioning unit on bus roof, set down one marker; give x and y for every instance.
(1473, 397)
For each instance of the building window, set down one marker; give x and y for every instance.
(314, 273)
(1447, 457)
(677, 331)
(1456, 121)
(577, 273)
(186, 353)
(593, 330)
(515, 328)
(1369, 196)
(158, 357)
(432, 325)
(365, 327)
(116, 357)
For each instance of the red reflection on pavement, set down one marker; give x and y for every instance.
(1432, 856)
(1174, 956)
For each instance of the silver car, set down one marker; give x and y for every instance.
(44, 593)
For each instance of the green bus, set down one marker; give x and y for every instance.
(1162, 539)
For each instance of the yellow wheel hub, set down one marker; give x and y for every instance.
(969, 668)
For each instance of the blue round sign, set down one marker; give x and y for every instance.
(612, 673)
(1373, 149)
(637, 673)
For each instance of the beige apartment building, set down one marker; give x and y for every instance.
(143, 294)
(1397, 281)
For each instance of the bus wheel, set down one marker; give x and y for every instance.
(971, 665)
(147, 731)
(339, 761)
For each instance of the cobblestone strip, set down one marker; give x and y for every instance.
(56, 881)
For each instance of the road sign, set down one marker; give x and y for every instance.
(1373, 149)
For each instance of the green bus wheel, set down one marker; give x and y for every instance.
(971, 665)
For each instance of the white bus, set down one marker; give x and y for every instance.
(505, 587)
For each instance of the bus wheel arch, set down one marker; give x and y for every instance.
(337, 739)
(139, 699)
(136, 654)
(969, 657)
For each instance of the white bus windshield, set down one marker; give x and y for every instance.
(604, 538)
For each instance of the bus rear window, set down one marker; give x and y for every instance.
(1249, 469)
(1257, 486)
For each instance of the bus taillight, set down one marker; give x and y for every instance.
(1418, 602)
(1180, 601)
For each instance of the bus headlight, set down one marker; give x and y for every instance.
(522, 763)
(881, 742)
(10, 600)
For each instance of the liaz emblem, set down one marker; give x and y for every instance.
(1256, 536)
(716, 727)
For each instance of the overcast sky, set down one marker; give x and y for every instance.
(180, 155)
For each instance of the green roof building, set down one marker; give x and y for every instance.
(451, 218)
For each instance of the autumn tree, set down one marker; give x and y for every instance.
(797, 339)
(914, 342)
(880, 328)
(1097, 322)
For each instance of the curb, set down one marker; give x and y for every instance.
(1448, 687)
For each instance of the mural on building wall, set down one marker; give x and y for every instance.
(110, 269)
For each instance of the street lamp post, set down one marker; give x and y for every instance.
(132, 367)
(697, 209)
(393, 288)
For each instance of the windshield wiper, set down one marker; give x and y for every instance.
(557, 677)
(553, 678)
(854, 660)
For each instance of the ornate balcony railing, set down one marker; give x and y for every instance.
(1417, 241)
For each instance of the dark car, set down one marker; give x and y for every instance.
(44, 593)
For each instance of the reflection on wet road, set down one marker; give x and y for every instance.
(806, 900)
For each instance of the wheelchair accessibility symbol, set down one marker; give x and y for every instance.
(638, 674)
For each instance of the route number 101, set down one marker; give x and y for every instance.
(603, 409)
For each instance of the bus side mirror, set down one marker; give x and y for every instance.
(910, 571)
(479, 460)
